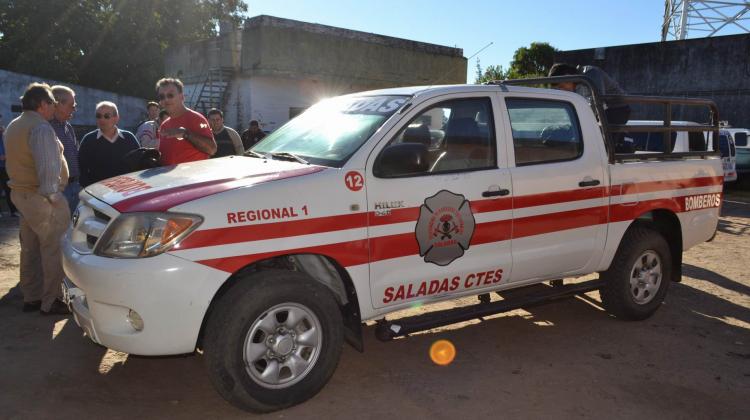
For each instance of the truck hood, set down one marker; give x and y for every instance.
(160, 189)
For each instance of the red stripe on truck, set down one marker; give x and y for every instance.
(163, 200)
(345, 253)
(401, 245)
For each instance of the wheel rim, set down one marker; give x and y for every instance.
(282, 345)
(646, 277)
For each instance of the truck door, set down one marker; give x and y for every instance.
(560, 203)
(438, 197)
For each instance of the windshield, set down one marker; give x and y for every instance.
(331, 131)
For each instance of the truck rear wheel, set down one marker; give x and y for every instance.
(637, 281)
(273, 341)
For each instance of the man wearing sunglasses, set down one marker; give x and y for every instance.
(103, 150)
(185, 136)
(38, 175)
(66, 105)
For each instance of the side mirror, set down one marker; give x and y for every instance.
(401, 160)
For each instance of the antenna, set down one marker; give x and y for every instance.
(454, 69)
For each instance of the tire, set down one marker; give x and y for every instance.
(286, 363)
(637, 281)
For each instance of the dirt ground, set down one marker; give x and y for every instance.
(563, 360)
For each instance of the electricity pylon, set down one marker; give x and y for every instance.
(704, 18)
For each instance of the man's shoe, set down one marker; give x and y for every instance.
(32, 306)
(57, 308)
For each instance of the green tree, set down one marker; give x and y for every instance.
(532, 61)
(114, 45)
(490, 73)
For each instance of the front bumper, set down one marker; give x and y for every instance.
(169, 293)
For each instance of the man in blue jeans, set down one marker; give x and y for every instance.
(66, 105)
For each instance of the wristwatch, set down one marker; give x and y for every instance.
(186, 135)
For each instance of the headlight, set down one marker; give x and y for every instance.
(139, 235)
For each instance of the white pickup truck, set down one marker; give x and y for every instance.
(370, 203)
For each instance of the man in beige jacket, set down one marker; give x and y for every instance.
(38, 174)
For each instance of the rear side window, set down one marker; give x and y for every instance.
(544, 131)
(740, 139)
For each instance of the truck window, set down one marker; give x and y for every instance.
(457, 135)
(696, 142)
(544, 131)
(740, 139)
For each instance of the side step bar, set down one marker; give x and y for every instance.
(388, 330)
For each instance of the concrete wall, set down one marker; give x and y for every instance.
(269, 99)
(190, 62)
(12, 85)
(717, 68)
(291, 49)
(281, 64)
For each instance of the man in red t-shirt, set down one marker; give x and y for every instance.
(185, 136)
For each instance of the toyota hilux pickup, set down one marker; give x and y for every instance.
(370, 203)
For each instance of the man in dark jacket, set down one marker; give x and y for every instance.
(228, 141)
(102, 150)
(252, 135)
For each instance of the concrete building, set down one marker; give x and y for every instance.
(717, 68)
(12, 85)
(274, 68)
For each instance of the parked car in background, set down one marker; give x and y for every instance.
(740, 136)
(728, 155)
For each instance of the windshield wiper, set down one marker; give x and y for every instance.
(289, 156)
(254, 154)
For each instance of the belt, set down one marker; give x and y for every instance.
(72, 179)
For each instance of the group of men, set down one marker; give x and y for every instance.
(45, 167)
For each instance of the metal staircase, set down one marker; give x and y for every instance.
(213, 90)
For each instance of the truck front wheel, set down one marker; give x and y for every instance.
(273, 341)
(637, 281)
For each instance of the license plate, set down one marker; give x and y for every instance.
(69, 293)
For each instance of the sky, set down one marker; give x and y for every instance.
(471, 25)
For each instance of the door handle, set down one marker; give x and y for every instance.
(495, 193)
(589, 183)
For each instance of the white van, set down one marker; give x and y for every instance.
(685, 142)
(728, 155)
(740, 136)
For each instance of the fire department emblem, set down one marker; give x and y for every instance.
(444, 227)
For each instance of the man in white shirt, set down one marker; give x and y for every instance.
(147, 132)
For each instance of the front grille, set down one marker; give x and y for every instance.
(90, 225)
(102, 216)
(91, 241)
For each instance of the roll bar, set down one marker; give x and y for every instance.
(609, 130)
